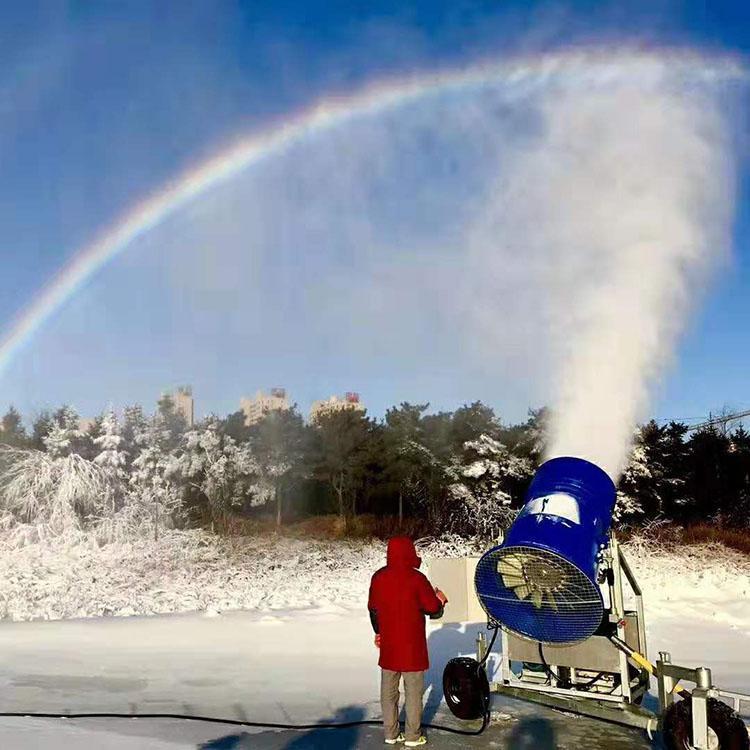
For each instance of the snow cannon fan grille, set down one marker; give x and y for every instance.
(542, 581)
(538, 594)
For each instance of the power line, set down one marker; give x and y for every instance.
(722, 419)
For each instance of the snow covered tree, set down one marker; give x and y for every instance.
(134, 422)
(110, 454)
(154, 497)
(637, 472)
(87, 445)
(471, 422)
(40, 428)
(65, 434)
(212, 463)
(530, 438)
(340, 439)
(172, 419)
(486, 481)
(58, 443)
(56, 493)
(12, 431)
(653, 483)
(277, 445)
(406, 458)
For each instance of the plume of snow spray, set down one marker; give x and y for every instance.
(616, 216)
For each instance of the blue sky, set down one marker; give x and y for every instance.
(101, 103)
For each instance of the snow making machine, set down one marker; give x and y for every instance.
(569, 612)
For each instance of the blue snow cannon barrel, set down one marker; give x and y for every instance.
(541, 581)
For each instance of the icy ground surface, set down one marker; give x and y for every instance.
(290, 666)
(304, 652)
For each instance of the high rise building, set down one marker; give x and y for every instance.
(261, 404)
(350, 401)
(183, 401)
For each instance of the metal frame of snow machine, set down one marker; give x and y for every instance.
(607, 675)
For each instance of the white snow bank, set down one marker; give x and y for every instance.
(701, 582)
(182, 571)
(196, 571)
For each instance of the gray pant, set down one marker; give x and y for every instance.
(413, 688)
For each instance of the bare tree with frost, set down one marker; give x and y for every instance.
(55, 493)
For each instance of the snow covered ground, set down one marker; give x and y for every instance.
(302, 652)
(183, 571)
(187, 571)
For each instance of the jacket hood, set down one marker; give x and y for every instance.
(401, 553)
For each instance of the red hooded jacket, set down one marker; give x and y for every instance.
(400, 598)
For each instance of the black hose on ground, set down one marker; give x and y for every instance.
(236, 722)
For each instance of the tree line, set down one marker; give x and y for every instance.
(463, 471)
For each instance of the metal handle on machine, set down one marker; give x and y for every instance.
(632, 654)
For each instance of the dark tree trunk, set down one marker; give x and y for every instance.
(340, 492)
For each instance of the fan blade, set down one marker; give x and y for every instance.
(522, 592)
(511, 581)
(536, 598)
(509, 564)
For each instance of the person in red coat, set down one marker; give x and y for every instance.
(400, 599)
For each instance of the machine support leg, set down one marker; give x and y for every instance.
(481, 646)
(700, 718)
(666, 683)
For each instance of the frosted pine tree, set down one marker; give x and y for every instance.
(638, 471)
(134, 422)
(64, 434)
(154, 498)
(111, 455)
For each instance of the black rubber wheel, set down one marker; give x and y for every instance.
(466, 688)
(728, 727)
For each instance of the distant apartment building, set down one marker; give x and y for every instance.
(184, 403)
(86, 423)
(350, 401)
(261, 404)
